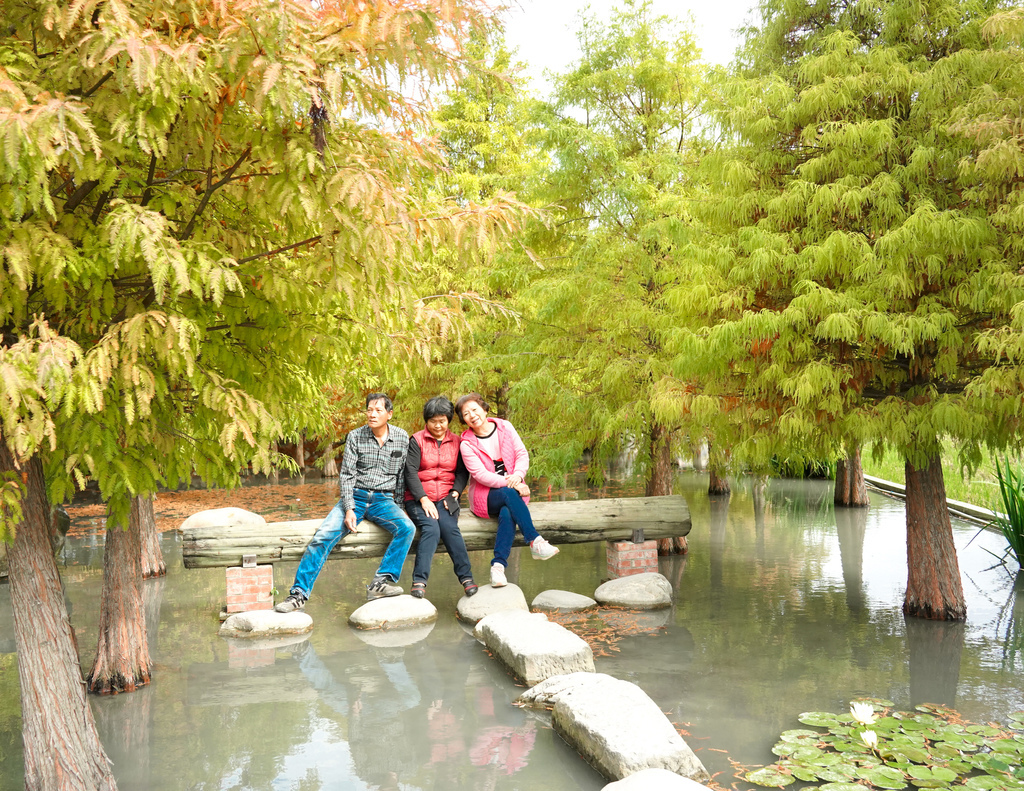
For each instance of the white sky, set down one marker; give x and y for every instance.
(543, 31)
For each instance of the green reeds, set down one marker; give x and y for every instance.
(1011, 521)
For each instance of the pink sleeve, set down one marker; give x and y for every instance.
(522, 460)
(477, 470)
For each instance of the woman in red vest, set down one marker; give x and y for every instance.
(434, 479)
(497, 461)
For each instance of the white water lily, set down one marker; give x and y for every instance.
(870, 738)
(864, 713)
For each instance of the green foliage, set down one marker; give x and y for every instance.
(208, 215)
(930, 748)
(866, 266)
(621, 137)
(1011, 521)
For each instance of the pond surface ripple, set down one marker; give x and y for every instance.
(780, 610)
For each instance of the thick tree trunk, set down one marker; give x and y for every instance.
(850, 487)
(122, 653)
(152, 556)
(933, 574)
(330, 466)
(300, 452)
(61, 747)
(659, 482)
(717, 484)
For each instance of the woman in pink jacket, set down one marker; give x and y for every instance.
(497, 462)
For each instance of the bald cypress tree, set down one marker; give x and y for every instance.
(868, 264)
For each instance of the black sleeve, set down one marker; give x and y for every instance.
(461, 476)
(413, 484)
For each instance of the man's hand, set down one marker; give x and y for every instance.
(350, 520)
(428, 507)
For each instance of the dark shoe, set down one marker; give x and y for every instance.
(470, 586)
(381, 587)
(419, 589)
(294, 602)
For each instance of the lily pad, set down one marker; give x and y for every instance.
(800, 735)
(839, 773)
(782, 749)
(821, 719)
(883, 777)
(983, 783)
(841, 787)
(769, 777)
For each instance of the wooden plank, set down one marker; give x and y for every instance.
(560, 522)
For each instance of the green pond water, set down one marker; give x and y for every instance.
(789, 609)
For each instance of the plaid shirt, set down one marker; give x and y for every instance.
(373, 467)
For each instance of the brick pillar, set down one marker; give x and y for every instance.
(250, 588)
(625, 557)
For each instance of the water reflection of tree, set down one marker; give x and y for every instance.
(850, 526)
(935, 649)
(1011, 624)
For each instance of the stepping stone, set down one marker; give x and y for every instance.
(614, 725)
(655, 780)
(561, 601)
(265, 623)
(222, 517)
(533, 647)
(648, 591)
(394, 638)
(393, 612)
(491, 600)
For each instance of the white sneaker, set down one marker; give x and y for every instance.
(542, 550)
(498, 576)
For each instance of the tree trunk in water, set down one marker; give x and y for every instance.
(850, 487)
(933, 573)
(122, 654)
(152, 556)
(61, 747)
(717, 484)
(659, 482)
(330, 466)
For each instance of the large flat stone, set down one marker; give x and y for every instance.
(561, 601)
(655, 780)
(490, 600)
(393, 612)
(265, 623)
(533, 647)
(648, 591)
(614, 725)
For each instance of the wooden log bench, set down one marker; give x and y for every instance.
(560, 522)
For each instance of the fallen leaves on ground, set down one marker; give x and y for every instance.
(280, 503)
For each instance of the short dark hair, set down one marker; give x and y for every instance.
(439, 405)
(469, 398)
(379, 397)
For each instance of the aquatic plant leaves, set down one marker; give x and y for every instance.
(821, 719)
(770, 777)
(930, 749)
(883, 776)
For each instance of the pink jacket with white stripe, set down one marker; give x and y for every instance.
(482, 477)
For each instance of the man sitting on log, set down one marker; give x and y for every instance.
(372, 486)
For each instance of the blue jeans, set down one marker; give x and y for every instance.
(445, 528)
(508, 506)
(378, 507)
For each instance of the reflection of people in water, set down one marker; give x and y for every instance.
(382, 750)
(503, 747)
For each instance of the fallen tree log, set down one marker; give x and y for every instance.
(560, 522)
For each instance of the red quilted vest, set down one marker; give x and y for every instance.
(437, 464)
